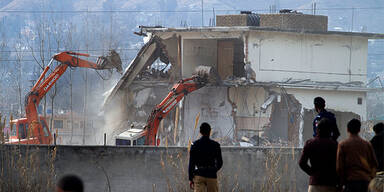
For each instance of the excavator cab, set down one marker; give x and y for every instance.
(22, 134)
(131, 137)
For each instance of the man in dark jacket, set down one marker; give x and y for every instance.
(321, 153)
(204, 162)
(322, 113)
(356, 162)
(378, 144)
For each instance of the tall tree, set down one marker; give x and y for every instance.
(19, 55)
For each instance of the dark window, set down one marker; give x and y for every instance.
(360, 101)
(238, 59)
(134, 142)
(58, 124)
(13, 130)
(141, 140)
(22, 133)
(27, 131)
(123, 142)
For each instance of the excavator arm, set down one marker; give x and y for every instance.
(68, 59)
(103, 62)
(42, 86)
(178, 92)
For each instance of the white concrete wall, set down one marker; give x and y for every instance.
(248, 100)
(343, 101)
(277, 56)
(214, 108)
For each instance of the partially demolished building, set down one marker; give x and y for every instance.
(272, 66)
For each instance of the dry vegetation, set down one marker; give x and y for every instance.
(26, 168)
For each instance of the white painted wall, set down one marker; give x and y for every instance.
(213, 106)
(248, 101)
(277, 56)
(344, 101)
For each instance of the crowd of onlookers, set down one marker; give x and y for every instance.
(351, 165)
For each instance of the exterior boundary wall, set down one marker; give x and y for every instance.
(111, 168)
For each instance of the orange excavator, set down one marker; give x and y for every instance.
(203, 75)
(33, 128)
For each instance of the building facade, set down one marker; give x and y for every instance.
(271, 73)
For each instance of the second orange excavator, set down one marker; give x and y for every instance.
(203, 76)
(33, 129)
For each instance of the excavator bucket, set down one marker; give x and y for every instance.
(110, 61)
(207, 75)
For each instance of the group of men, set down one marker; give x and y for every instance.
(347, 166)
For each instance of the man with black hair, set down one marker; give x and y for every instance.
(319, 103)
(356, 162)
(321, 153)
(204, 162)
(378, 144)
(70, 183)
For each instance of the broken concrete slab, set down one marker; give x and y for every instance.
(152, 50)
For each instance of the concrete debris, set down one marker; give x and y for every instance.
(110, 61)
(249, 72)
(268, 102)
(245, 144)
(152, 74)
(207, 75)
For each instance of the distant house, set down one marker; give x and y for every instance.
(272, 66)
(68, 132)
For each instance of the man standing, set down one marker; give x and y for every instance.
(356, 163)
(321, 152)
(319, 103)
(378, 144)
(204, 162)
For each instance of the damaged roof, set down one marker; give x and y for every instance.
(158, 29)
(152, 50)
